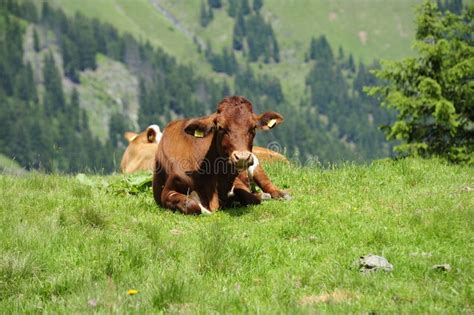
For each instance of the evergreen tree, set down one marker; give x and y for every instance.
(340, 55)
(53, 98)
(350, 64)
(215, 4)
(117, 124)
(238, 33)
(244, 7)
(434, 103)
(320, 49)
(205, 15)
(36, 42)
(233, 8)
(257, 5)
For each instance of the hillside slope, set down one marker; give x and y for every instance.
(73, 248)
(368, 29)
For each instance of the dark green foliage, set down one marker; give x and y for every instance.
(433, 92)
(206, 15)
(340, 55)
(350, 64)
(55, 132)
(53, 98)
(453, 6)
(320, 50)
(244, 7)
(215, 4)
(238, 33)
(259, 35)
(117, 125)
(351, 115)
(51, 133)
(36, 42)
(233, 7)
(257, 5)
(226, 63)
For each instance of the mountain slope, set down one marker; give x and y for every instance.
(367, 29)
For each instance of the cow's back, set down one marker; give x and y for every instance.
(179, 152)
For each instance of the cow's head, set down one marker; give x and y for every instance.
(234, 126)
(152, 134)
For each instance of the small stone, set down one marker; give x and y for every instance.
(442, 267)
(370, 263)
(92, 302)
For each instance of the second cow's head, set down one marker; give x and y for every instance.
(233, 126)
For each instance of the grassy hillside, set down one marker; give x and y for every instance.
(138, 17)
(368, 29)
(70, 248)
(387, 26)
(10, 166)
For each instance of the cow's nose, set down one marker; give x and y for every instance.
(242, 158)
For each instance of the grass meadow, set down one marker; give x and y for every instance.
(67, 247)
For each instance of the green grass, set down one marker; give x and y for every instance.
(10, 166)
(139, 18)
(389, 25)
(69, 248)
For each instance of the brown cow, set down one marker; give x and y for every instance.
(199, 160)
(141, 149)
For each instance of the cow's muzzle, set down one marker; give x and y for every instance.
(242, 159)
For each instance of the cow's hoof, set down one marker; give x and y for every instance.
(204, 211)
(281, 195)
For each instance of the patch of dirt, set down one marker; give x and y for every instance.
(337, 296)
(176, 232)
(332, 16)
(363, 36)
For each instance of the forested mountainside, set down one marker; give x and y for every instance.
(71, 83)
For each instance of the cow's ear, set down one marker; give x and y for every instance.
(199, 127)
(268, 120)
(130, 136)
(153, 134)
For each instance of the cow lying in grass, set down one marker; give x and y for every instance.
(201, 162)
(141, 149)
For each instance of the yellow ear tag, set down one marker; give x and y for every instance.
(198, 133)
(271, 123)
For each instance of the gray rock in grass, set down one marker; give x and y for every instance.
(370, 263)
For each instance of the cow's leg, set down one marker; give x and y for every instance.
(186, 203)
(158, 184)
(258, 175)
(241, 191)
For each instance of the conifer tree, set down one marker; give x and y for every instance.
(36, 42)
(430, 91)
(257, 5)
(233, 8)
(244, 7)
(215, 4)
(53, 98)
(205, 15)
(238, 33)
